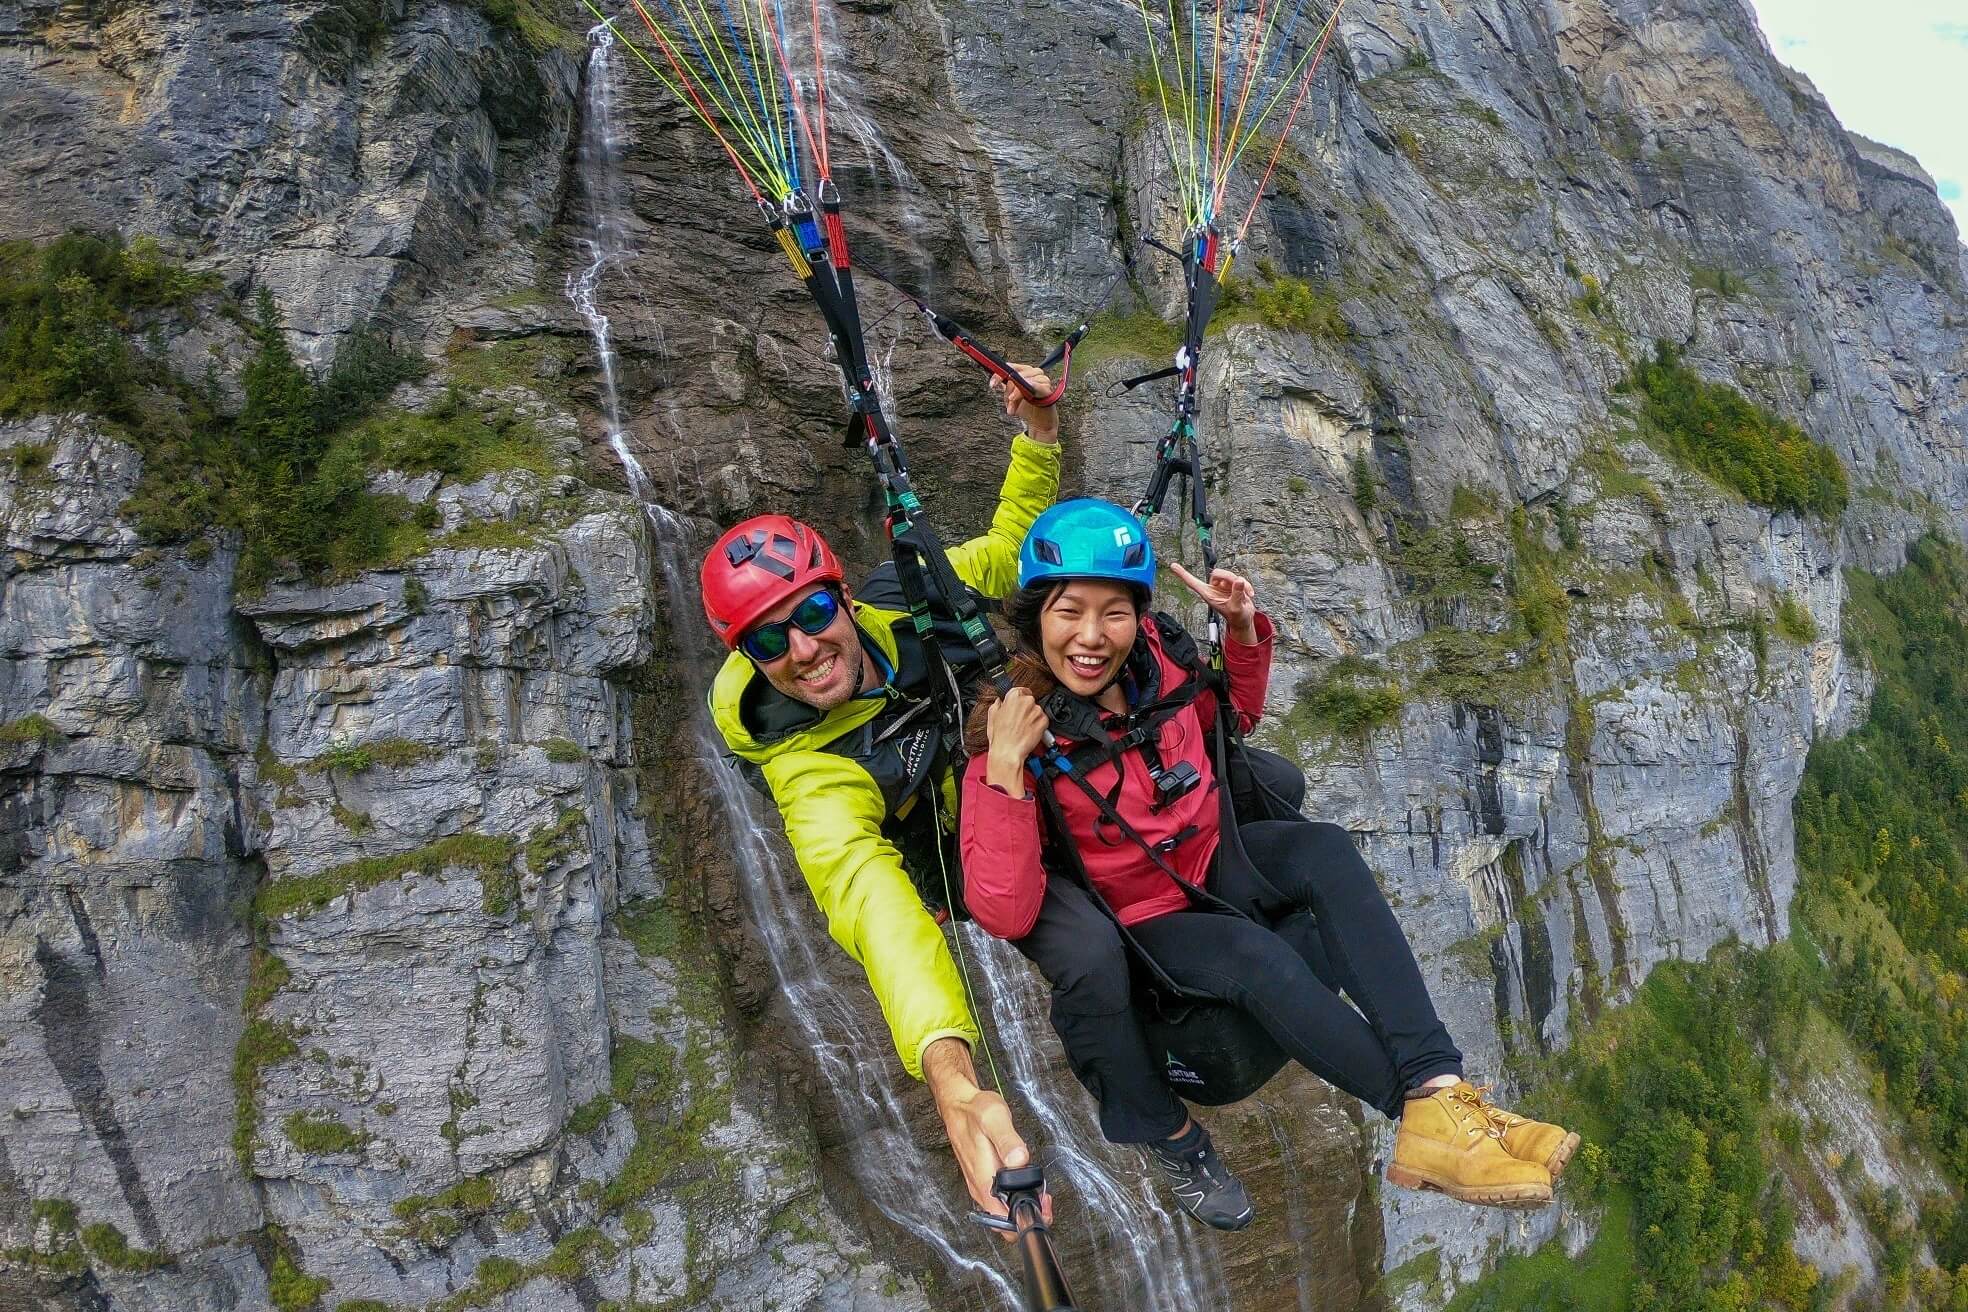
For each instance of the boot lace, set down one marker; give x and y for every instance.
(1478, 1116)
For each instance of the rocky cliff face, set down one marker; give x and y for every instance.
(384, 933)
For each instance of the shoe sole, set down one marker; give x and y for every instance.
(1560, 1156)
(1520, 1197)
(1228, 1227)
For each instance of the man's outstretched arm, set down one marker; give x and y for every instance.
(977, 1120)
(833, 813)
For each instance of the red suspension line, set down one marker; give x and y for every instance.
(1298, 101)
(690, 88)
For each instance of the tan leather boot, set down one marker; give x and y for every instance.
(1550, 1146)
(1448, 1143)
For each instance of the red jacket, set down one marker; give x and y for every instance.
(1004, 883)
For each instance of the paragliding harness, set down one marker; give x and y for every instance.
(948, 617)
(1213, 1051)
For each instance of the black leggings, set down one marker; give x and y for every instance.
(1323, 926)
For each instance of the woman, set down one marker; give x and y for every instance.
(1084, 633)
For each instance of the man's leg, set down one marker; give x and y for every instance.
(1080, 952)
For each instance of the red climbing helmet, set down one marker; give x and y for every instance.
(758, 565)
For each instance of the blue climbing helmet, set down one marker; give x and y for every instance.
(1087, 538)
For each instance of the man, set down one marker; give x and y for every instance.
(824, 698)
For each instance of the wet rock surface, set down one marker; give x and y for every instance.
(515, 964)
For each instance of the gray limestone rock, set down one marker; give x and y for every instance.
(475, 924)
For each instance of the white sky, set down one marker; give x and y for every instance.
(1893, 70)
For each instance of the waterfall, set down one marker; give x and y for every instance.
(1147, 1258)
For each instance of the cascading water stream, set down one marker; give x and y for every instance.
(1147, 1258)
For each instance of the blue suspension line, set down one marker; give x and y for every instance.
(1271, 66)
(741, 43)
(688, 32)
(1229, 100)
(792, 137)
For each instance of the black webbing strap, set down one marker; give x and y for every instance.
(1129, 384)
(1178, 456)
(1196, 893)
(922, 565)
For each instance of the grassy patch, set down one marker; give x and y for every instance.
(563, 751)
(486, 854)
(290, 1288)
(356, 822)
(1442, 565)
(574, 1253)
(262, 1043)
(1136, 335)
(267, 974)
(531, 22)
(1280, 301)
(355, 758)
(551, 844)
(587, 1118)
(1616, 479)
(323, 1133)
(1352, 700)
(1793, 622)
(108, 1245)
(28, 462)
(1717, 280)
(1741, 445)
(434, 1220)
(31, 729)
(290, 471)
(491, 535)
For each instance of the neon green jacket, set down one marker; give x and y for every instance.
(834, 810)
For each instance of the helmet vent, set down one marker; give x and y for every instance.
(1135, 554)
(1047, 550)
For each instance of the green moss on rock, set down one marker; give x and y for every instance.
(262, 1043)
(323, 1133)
(434, 1220)
(30, 729)
(107, 1245)
(290, 1288)
(307, 893)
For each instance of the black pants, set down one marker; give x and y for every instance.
(1321, 926)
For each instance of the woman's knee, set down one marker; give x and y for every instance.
(1339, 867)
(1261, 962)
(1093, 979)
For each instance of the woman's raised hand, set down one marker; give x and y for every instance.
(1229, 595)
(1015, 726)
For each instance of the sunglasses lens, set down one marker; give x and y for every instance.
(767, 643)
(816, 612)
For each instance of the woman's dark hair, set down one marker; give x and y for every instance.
(1026, 668)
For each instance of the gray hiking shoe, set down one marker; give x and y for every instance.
(1203, 1185)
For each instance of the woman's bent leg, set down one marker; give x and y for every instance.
(1316, 865)
(1080, 952)
(1244, 963)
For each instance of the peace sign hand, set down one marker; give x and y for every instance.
(1229, 595)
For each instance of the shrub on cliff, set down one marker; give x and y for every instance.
(1736, 442)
